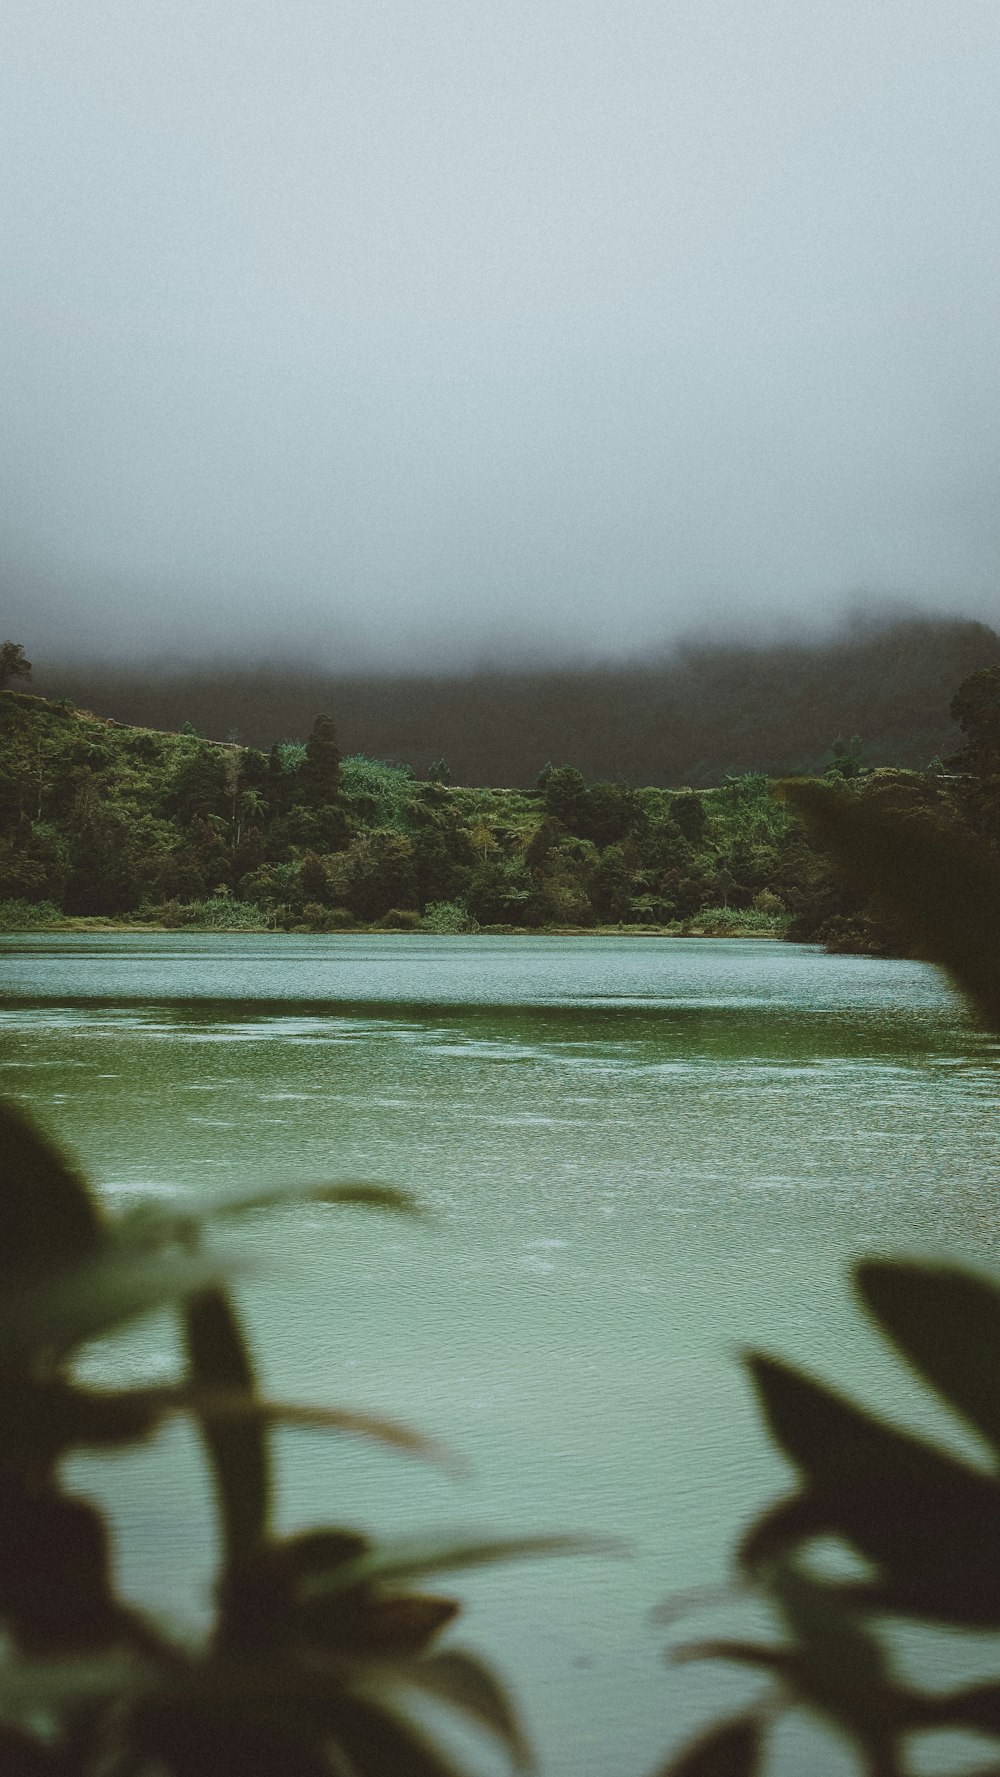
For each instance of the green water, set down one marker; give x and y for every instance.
(637, 1155)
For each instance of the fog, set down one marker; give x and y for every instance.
(423, 332)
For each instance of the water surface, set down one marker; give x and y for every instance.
(638, 1156)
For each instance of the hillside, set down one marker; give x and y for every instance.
(104, 820)
(686, 719)
(99, 820)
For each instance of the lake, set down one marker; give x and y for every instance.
(637, 1157)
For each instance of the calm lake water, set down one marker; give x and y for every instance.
(638, 1156)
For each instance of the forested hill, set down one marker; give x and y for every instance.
(102, 820)
(707, 710)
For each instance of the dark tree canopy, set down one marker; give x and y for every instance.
(976, 708)
(13, 664)
(321, 765)
(688, 813)
(566, 796)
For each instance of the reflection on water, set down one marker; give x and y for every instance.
(638, 1156)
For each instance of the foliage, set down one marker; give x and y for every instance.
(447, 916)
(320, 768)
(27, 916)
(846, 758)
(101, 820)
(13, 664)
(318, 1646)
(220, 913)
(382, 790)
(922, 1525)
(740, 922)
(291, 755)
(976, 708)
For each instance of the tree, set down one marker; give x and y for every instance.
(976, 708)
(321, 765)
(846, 760)
(199, 785)
(314, 884)
(439, 772)
(611, 887)
(13, 664)
(380, 874)
(566, 797)
(612, 812)
(688, 812)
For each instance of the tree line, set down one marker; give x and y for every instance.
(100, 819)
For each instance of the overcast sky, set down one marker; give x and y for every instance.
(413, 330)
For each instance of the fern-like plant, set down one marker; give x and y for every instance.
(922, 1524)
(319, 1644)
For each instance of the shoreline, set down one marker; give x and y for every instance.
(94, 923)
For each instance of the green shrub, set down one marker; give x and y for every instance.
(400, 919)
(447, 916)
(383, 791)
(28, 916)
(221, 913)
(739, 922)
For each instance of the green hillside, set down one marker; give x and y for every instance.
(100, 821)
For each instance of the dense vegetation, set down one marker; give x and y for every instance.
(689, 717)
(101, 820)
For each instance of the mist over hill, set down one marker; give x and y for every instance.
(690, 717)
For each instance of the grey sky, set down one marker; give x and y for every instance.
(409, 330)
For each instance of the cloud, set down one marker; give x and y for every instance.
(420, 332)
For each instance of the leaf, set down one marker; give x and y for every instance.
(468, 1684)
(320, 1550)
(930, 1523)
(65, 1308)
(362, 1625)
(55, 1581)
(381, 1743)
(733, 1750)
(947, 1323)
(357, 1192)
(840, 1668)
(22, 1753)
(832, 1440)
(219, 1360)
(41, 1420)
(942, 889)
(756, 1654)
(235, 1407)
(47, 1211)
(782, 1529)
(149, 1226)
(47, 1418)
(402, 1561)
(37, 1685)
(207, 1737)
(976, 1707)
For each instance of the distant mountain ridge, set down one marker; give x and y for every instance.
(706, 710)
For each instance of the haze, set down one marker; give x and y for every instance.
(416, 332)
